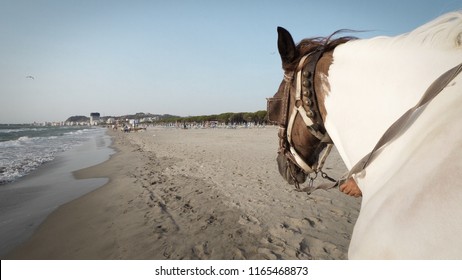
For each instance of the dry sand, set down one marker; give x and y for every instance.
(197, 194)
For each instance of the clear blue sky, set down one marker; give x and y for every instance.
(178, 57)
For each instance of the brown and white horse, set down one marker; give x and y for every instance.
(349, 92)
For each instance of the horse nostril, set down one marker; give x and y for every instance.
(289, 178)
(289, 171)
(282, 165)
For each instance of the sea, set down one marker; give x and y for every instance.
(24, 148)
(36, 174)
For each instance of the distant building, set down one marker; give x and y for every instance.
(133, 122)
(110, 121)
(94, 118)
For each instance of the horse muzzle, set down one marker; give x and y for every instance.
(293, 174)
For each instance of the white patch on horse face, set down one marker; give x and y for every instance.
(325, 83)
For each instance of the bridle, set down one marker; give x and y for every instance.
(306, 106)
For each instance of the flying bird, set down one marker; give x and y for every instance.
(30, 77)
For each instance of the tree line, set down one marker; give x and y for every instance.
(258, 117)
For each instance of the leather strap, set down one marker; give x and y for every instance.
(408, 118)
(312, 117)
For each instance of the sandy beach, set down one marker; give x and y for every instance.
(196, 194)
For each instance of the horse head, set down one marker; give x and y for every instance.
(297, 107)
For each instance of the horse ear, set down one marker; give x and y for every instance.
(286, 46)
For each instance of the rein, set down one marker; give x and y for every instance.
(408, 118)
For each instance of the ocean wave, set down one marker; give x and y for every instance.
(24, 139)
(15, 130)
(21, 141)
(10, 171)
(21, 156)
(9, 144)
(78, 132)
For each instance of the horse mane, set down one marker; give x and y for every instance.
(328, 43)
(444, 33)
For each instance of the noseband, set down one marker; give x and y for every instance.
(305, 105)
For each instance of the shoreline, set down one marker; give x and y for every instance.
(26, 203)
(196, 194)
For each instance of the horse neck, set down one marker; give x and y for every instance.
(374, 81)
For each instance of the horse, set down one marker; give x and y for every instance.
(392, 106)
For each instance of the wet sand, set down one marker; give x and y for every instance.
(26, 203)
(196, 194)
